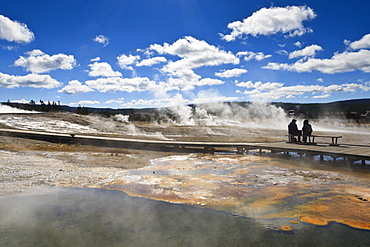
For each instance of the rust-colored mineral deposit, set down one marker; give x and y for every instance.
(286, 228)
(256, 188)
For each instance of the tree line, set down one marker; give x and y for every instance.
(32, 106)
(49, 106)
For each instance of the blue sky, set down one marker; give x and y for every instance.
(153, 53)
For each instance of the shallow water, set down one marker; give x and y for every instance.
(258, 187)
(97, 217)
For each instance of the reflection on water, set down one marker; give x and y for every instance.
(97, 217)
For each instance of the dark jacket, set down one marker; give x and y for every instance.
(293, 129)
(307, 129)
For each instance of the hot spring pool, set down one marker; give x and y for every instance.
(98, 217)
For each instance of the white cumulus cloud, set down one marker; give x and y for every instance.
(260, 86)
(125, 60)
(192, 54)
(75, 87)
(102, 40)
(231, 73)
(103, 69)
(209, 82)
(323, 96)
(340, 62)
(151, 61)
(266, 21)
(14, 31)
(118, 101)
(274, 91)
(39, 62)
(96, 59)
(113, 84)
(249, 55)
(86, 102)
(30, 80)
(298, 44)
(364, 42)
(308, 51)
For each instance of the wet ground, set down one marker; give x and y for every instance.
(256, 187)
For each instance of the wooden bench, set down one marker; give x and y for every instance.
(334, 139)
(311, 139)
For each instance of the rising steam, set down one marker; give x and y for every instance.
(251, 115)
(8, 109)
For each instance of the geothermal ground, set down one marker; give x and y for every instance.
(247, 185)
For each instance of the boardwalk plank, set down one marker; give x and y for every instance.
(344, 150)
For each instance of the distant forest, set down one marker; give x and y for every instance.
(358, 109)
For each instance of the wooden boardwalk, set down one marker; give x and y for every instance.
(350, 152)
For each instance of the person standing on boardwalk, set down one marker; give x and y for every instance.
(293, 130)
(306, 130)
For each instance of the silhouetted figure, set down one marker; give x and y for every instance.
(293, 130)
(306, 130)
